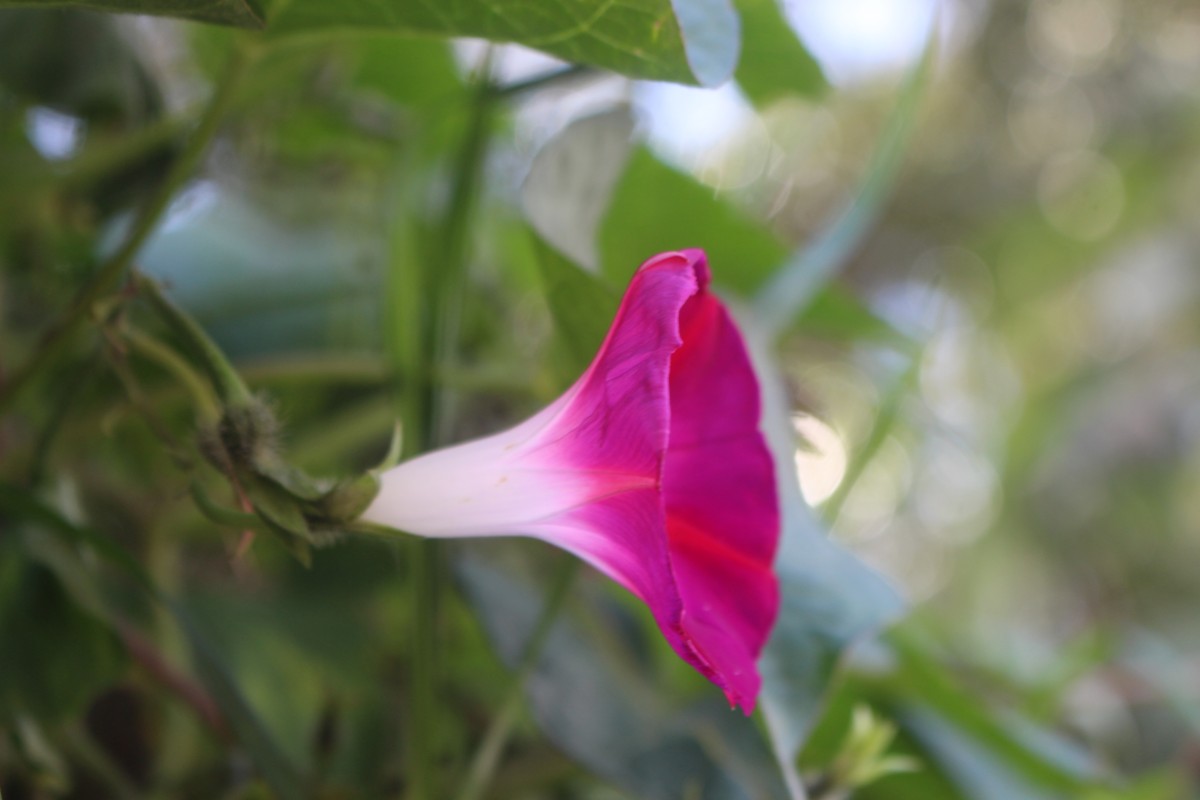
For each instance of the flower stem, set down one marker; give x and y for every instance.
(110, 271)
(225, 379)
(487, 757)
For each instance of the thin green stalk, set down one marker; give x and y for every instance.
(449, 279)
(113, 268)
(423, 712)
(208, 407)
(487, 757)
(793, 286)
(554, 77)
(225, 379)
(884, 422)
(446, 284)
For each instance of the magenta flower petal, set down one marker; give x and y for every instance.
(651, 468)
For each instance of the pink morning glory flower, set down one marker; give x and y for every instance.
(651, 468)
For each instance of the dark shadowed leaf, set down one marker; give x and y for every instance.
(82, 559)
(47, 634)
(571, 181)
(76, 62)
(242, 13)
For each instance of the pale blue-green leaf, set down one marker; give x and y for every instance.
(605, 714)
(712, 38)
(1038, 756)
(829, 599)
(971, 766)
(571, 181)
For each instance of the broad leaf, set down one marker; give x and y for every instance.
(687, 41)
(606, 715)
(656, 208)
(581, 304)
(571, 181)
(242, 13)
(47, 635)
(776, 63)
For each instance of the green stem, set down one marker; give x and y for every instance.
(885, 421)
(208, 407)
(423, 710)
(110, 271)
(446, 283)
(224, 377)
(792, 287)
(487, 757)
(62, 407)
(449, 279)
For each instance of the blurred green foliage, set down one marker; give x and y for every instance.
(972, 292)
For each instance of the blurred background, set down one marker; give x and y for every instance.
(997, 398)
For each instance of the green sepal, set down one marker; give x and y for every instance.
(395, 450)
(347, 499)
(297, 483)
(226, 516)
(276, 506)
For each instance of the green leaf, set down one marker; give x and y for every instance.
(687, 41)
(605, 714)
(1033, 755)
(47, 634)
(413, 72)
(836, 313)
(242, 13)
(85, 580)
(972, 767)
(75, 61)
(657, 208)
(269, 758)
(581, 304)
(793, 287)
(775, 63)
